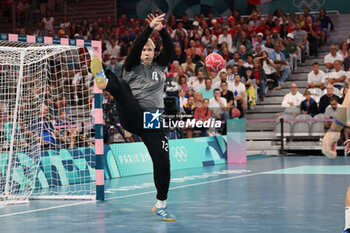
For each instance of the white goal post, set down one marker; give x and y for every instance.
(51, 131)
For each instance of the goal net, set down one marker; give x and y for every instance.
(46, 122)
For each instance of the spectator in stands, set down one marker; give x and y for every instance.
(115, 66)
(331, 111)
(309, 105)
(260, 79)
(343, 49)
(235, 59)
(331, 57)
(112, 47)
(225, 37)
(190, 92)
(268, 46)
(182, 99)
(281, 64)
(225, 53)
(81, 83)
(345, 90)
(251, 87)
(316, 78)
(300, 38)
(243, 53)
(275, 37)
(307, 14)
(49, 21)
(203, 114)
(199, 83)
(313, 36)
(262, 27)
(41, 31)
(200, 63)
(198, 99)
(346, 61)
(269, 68)
(239, 93)
(270, 22)
(258, 51)
(293, 51)
(243, 40)
(223, 78)
(207, 37)
(218, 106)
(179, 55)
(260, 40)
(291, 24)
(284, 50)
(338, 76)
(182, 81)
(291, 101)
(230, 75)
(189, 67)
(277, 14)
(64, 124)
(254, 22)
(208, 49)
(325, 21)
(43, 128)
(207, 92)
(65, 25)
(241, 68)
(325, 99)
(186, 23)
(301, 19)
(249, 63)
(189, 109)
(227, 94)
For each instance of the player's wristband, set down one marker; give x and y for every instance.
(330, 129)
(339, 123)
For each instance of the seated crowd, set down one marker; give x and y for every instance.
(326, 90)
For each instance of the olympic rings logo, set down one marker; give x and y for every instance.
(313, 5)
(180, 153)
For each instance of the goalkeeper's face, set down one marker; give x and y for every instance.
(147, 54)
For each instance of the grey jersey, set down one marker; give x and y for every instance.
(147, 85)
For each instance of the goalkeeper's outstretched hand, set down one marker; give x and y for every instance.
(155, 22)
(329, 144)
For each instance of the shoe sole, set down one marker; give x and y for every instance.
(96, 70)
(165, 219)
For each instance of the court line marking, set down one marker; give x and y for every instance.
(133, 195)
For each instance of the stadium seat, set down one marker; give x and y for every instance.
(316, 94)
(287, 126)
(317, 128)
(301, 129)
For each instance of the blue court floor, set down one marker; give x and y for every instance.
(268, 195)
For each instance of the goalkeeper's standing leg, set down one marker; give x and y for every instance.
(157, 145)
(131, 118)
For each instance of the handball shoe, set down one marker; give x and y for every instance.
(99, 74)
(164, 214)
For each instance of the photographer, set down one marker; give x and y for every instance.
(110, 117)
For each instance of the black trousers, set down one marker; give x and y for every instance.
(313, 45)
(131, 118)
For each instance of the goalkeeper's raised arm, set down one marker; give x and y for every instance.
(136, 56)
